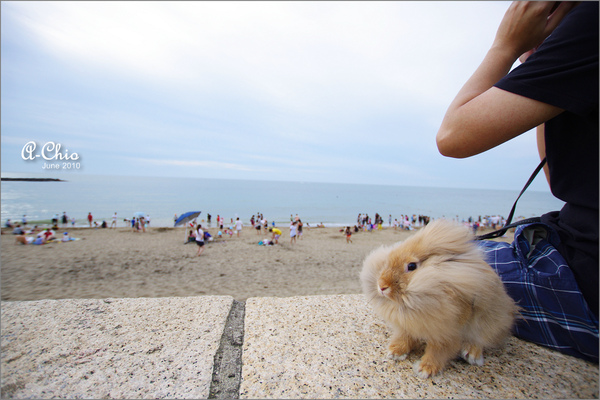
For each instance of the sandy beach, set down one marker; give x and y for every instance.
(119, 263)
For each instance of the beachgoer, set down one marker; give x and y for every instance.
(475, 226)
(191, 236)
(276, 234)
(65, 219)
(200, 239)
(556, 90)
(264, 224)
(66, 237)
(17, 230)
(348, 235)
(23, 239)
(238, 226)
(258, 227)
(293, 232)
(114, 220)
(48, 234)
(90, 218)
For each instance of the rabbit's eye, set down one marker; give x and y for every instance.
(411, 266)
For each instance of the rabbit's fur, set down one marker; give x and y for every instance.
(435, 287)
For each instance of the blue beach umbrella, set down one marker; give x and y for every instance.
(186, 217)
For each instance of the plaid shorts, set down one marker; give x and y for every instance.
(538, 278)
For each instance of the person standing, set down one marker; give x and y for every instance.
(90, 218)
(200, 239)
(293, 233)
(114, 220)
(238, 226)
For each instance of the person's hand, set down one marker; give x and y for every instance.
(527, 23)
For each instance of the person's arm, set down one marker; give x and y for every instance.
(541, 145)
(482, 116)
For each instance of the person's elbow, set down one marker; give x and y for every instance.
(449, 146)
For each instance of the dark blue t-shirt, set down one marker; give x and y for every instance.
(563, 72)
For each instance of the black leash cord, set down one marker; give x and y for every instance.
(508, 224)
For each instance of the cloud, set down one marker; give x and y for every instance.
(303, 55)
(314, 91)
(194, 164)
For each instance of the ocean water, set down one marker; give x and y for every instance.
(331, 204)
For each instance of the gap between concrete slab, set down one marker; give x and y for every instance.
(227, 370)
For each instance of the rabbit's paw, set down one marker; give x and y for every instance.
(396, 357)
(473, 356)
(425, 370)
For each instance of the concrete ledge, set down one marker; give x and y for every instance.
(335, 347)
(298, 347)
(112, 348)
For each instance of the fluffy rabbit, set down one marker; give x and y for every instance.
(435, 287)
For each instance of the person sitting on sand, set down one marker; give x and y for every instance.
(40, 239)
(48, 235)
(24, 239)
(18, 230)
(191, 237)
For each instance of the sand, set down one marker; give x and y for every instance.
(118, 263)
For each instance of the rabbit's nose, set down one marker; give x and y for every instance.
(383, 289)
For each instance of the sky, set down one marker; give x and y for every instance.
(341, 92)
